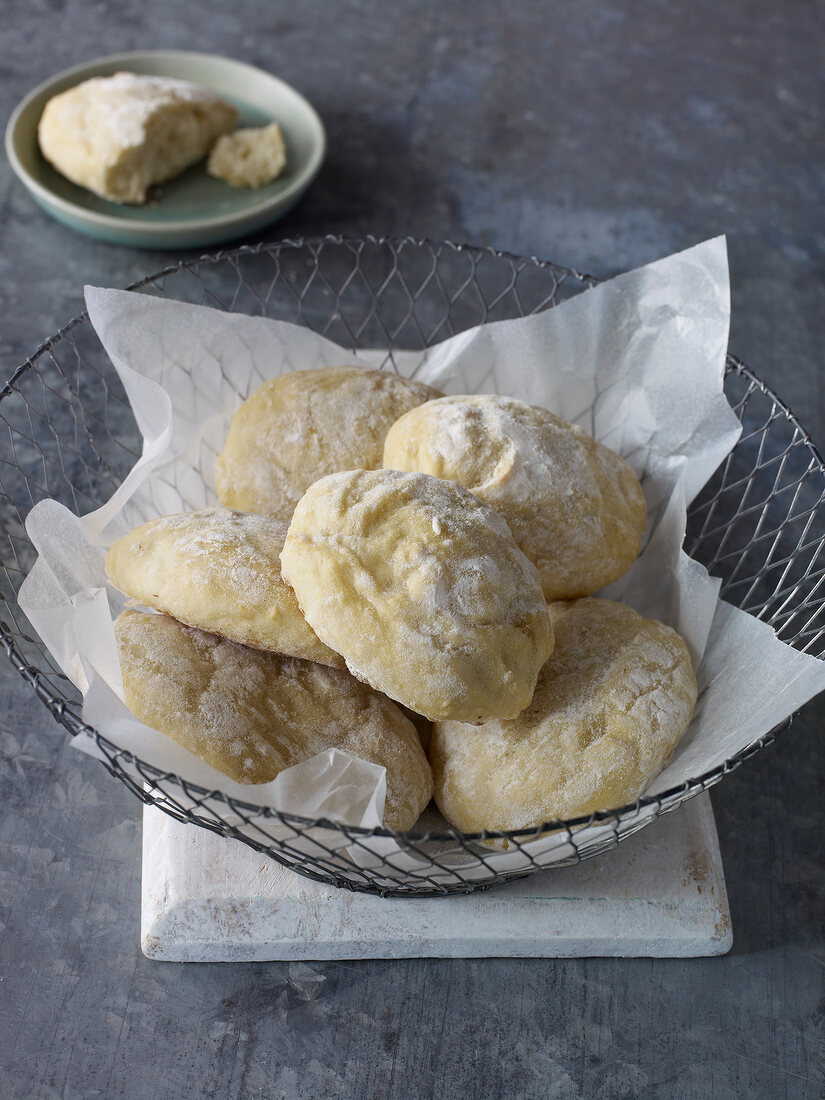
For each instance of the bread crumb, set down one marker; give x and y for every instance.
(250, 157)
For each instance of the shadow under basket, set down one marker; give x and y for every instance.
(759, 524)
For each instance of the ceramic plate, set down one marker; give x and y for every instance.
(193, 210)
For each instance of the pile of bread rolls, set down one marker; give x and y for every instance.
(386, 558)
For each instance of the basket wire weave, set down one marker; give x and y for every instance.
(70, 435)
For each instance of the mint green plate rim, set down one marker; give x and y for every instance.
(120, 223)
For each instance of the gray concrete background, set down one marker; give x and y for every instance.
(601, 135)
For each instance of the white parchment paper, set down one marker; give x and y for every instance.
(638, 361)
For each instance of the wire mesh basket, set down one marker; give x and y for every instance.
(758, 524)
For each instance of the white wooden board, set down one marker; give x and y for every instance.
(660, 893)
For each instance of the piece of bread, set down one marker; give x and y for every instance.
(575, 507)
(422, 589)
(300, 426)
(252, 714)
(119, 135)
(220, 571)
(610, 706)
(250, 157)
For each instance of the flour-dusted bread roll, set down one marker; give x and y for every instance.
(298, 427)
(220, 571)
(422, 589)
(118, 135)
(251, 714)
(609, 708)
(575, 507)
(250, 157)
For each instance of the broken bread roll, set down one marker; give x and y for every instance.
(118, 135)
(250, 157)
(219, 571)
(422, 589)
(298, 427)
(250, 714)
(575, 507)
(610, 706)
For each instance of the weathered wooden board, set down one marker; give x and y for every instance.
(660, 893)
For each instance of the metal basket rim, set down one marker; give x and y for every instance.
(61, 708)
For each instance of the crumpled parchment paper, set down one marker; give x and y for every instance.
(638, 361)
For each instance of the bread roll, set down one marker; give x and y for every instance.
(422, 589)
(220, 571)
(251, 714)
(610, 705)
(575, 507)
(300, 426)
(119, 135)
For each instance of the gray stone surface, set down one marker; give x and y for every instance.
(601, 135)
